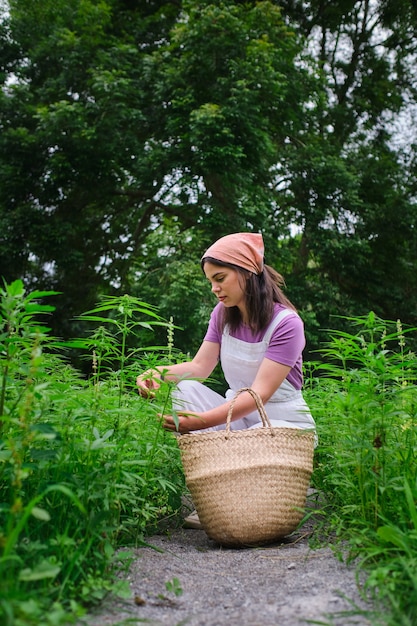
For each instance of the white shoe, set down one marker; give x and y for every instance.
(193, 521)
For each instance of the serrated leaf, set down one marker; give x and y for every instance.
(34, 307)
(42, 294)
(96, 318)
(15, 288)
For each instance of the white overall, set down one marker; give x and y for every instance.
(240, 362)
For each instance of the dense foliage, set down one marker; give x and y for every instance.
(85, 467)
(135, 133)
(365, 404)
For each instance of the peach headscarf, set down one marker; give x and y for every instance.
(242, 249)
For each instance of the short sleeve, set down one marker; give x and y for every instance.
(287, 342)
(214, 330)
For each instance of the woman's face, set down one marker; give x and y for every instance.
(227, 285)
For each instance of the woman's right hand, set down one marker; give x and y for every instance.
(148, 383)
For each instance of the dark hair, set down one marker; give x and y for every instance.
(261, 292)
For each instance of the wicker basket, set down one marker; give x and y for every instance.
(249, 486)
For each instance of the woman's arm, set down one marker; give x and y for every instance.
(201, 366)
(269, 377)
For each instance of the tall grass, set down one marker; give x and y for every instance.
(85, 466)
(364, 397)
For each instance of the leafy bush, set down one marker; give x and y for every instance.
(85, 466)
(364, 397)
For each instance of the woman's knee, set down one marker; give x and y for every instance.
(188, 383)
(194, 396)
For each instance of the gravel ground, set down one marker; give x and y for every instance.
(283, 584)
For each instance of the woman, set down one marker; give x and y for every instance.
(258, 336)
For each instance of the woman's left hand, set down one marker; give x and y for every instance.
(186, 422)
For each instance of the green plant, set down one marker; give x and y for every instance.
(124, 317)
(85, 466)
(364, 398)
(174, 586)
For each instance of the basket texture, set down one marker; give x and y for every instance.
(249, 487)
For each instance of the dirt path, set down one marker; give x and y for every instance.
(285, 584)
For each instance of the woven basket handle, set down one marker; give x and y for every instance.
(259, 405)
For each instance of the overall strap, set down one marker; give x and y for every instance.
(275, 322)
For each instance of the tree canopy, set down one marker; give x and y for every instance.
(133, 134)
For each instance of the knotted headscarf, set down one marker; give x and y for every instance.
(242, 249)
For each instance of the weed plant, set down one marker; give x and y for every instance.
(85, 466)
(364, 398)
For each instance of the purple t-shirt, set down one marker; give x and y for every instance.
(286, 344)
